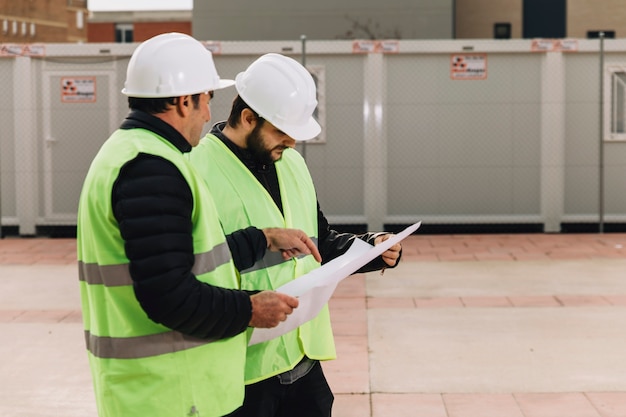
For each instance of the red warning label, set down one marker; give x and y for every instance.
(468, 66)
(78, 89)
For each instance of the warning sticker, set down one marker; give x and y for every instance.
(554, 45)
(13, 50)
(78, 89)
(468, 66)
(363, 46)
(10, 49)
(543, 45)
(34, 50)
(370, 46)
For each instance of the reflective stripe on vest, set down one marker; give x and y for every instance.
(271, 259)
(140, 346)
(118, 275)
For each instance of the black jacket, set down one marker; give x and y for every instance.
(152, 203)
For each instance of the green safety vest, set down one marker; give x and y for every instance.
(139, 367)
(244, 202)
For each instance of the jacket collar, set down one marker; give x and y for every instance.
(243, 154)
(142, 120)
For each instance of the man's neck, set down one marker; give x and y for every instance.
(235, 135)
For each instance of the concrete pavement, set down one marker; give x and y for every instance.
(466, 326)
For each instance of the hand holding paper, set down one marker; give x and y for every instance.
(269, 308)
(315, 288)
(391, 255)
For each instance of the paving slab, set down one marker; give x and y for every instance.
(497, 350)
(508, 278)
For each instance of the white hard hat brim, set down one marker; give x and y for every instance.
(302, 133)
(222, 84)
(225, 83)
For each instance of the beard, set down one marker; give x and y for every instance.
(258, 148)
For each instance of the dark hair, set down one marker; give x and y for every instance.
(158, 105)
(235, 112)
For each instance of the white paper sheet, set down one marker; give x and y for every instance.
(315, 288)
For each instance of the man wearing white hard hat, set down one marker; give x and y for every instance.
(164, 317)
(252, 168)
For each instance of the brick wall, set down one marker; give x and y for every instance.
(42, 21)
(101, 32)
(146, 30)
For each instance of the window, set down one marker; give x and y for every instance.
(502, 30)
(124, 33)
(318, 73)
(80, 21)
(615, 103)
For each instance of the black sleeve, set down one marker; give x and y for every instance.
(152, 203)
(247, 246)
(333, 244)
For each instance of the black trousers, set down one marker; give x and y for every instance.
(309, 396)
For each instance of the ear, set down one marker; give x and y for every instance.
(184, 105)
(248, 119)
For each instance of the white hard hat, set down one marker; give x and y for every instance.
(171, 65)
(283, 92)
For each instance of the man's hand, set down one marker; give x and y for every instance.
(391, 255)
(291, 243)
(269, 308)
